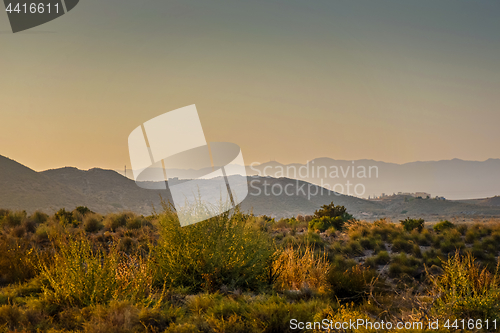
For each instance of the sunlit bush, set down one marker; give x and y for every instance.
(224, 250)
(82, 274)
(466, 290)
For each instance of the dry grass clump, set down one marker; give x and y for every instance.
(82, 274)
(301, 268)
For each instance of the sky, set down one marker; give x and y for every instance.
(394, 81)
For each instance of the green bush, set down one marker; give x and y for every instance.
(466, 290)
(135, 223)
(223, 250)
(443, 225)
(382, 258)
(12, 219)
(81, 274)
(65, 217)
(401, 244)
(83, 210)
(412, 224)
(325, 222)
(353, 248)
(92, 223)
(350, 283)
(114, 221)
(311, 239)
(39, 217)
(333, 212)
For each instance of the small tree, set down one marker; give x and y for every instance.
(326, 222)
(412, 224)
(83, 210)
(330, 216)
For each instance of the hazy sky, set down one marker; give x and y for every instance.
(291, 80)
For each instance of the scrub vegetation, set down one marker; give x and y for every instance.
(78, 271)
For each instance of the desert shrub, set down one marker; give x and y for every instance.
(338, 215)
(12, 219)
(446, 246)
(350, 283)
(119, 316)
(65, 218)
(10, 316)
(437, 240)
(412, 224)
(379, 246)
(470, 236)
(432, 257)
(311, 239)
(367, 243)
(289, 240)
(29, 225)
(496, 237)
(39, 217)
(17, 231)
(280, 224)
(331, 210)
(359, 229)
(489, 244)
(371, 262)
(83, 210)
(453, 235)
(43, 233)
(301, 268)
(477, 251)
(223, 250)
(424, 238)
(416, 252)
(135, 222)
(401, 244)
(273, 314)
(15, 260)
(403, 266)
(126, 244)
(443, 225)
(114, 221)
(336, 247)
(82, 274)
(385, 230)
(92, 223)
(225, 308)
(382, 258)
(462, 229)
(466, 290)
(3, 213)
(265, 223)
(325, 222)
(353, 248)
(482, 230)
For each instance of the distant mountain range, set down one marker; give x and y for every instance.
(103, 191)
(453, 179)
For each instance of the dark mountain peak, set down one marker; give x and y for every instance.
(9, 166)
